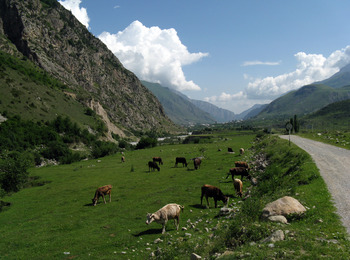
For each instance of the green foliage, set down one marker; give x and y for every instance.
(13, 171)
(146, 142)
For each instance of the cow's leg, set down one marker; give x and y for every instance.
(207, 200)
(216, 203)
(202, 199)
(103, 196)
(164, 224)
(178, 222)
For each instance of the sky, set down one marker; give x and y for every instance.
(231, 53)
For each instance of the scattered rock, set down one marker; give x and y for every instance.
(158, 240)
(278, 235)
(283, 206)
(279, 218)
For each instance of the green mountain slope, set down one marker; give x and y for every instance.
(339, 79)
(219, 114)
(178, 109)
(336, 114)
(303, 101)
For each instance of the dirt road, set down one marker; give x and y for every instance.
(334, 165)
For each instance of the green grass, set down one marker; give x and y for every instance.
(337, 138)
(46, 221)
(49, 220)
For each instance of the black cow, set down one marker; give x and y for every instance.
(181, 160)
(153, 165)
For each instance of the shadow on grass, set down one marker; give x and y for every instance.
(149, 232)
(197, 206)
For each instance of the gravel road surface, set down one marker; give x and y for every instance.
(334, 165)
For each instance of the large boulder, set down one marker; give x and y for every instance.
(283, 206)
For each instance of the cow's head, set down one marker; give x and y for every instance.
(94, 202)
(150, 218)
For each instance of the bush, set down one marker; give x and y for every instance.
(146, 142)
(13, 171)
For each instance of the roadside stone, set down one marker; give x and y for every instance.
(279, 218)
(278, 235)
(283, 206)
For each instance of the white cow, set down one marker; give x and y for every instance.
(169, 211)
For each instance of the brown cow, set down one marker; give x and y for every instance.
(153, 165)
(213, 192)
(238, 185)
(241, 164)
(197, 163)
(181, 160)
(158, 159)
(239, 171)
(102, 191)
(169, 211)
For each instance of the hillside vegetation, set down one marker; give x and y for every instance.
(303, 101)
(56, 220)
(49, 36)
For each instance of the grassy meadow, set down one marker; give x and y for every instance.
(49, 220)
(56, 220)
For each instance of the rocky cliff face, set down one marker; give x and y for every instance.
(50, 36)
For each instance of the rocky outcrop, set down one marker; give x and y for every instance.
(51, 37)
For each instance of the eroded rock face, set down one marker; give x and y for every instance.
(51, 37)
(283, 206)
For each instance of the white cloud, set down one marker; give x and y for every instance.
(153, 54)
(79, 13)
(256, 62)
(310, 68)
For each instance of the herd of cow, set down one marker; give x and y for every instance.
(172, 211)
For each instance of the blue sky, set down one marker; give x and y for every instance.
(232, 53)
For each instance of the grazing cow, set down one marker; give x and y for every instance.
(102, 191)
(239, 171)
(241, 164)
(213, 192)
(123, 159)
(157, 159)
(181, 160)
(169, 211)
(230, 150)
(241, 151)
(238, 185)
(153, 165)
(197, 163)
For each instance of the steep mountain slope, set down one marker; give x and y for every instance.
(178, 108)
(221, 115)
(305, 100)
(339, 79)
(51, 37)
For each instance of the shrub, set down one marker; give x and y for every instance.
(146, 142)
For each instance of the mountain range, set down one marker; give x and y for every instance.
(52, 65)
